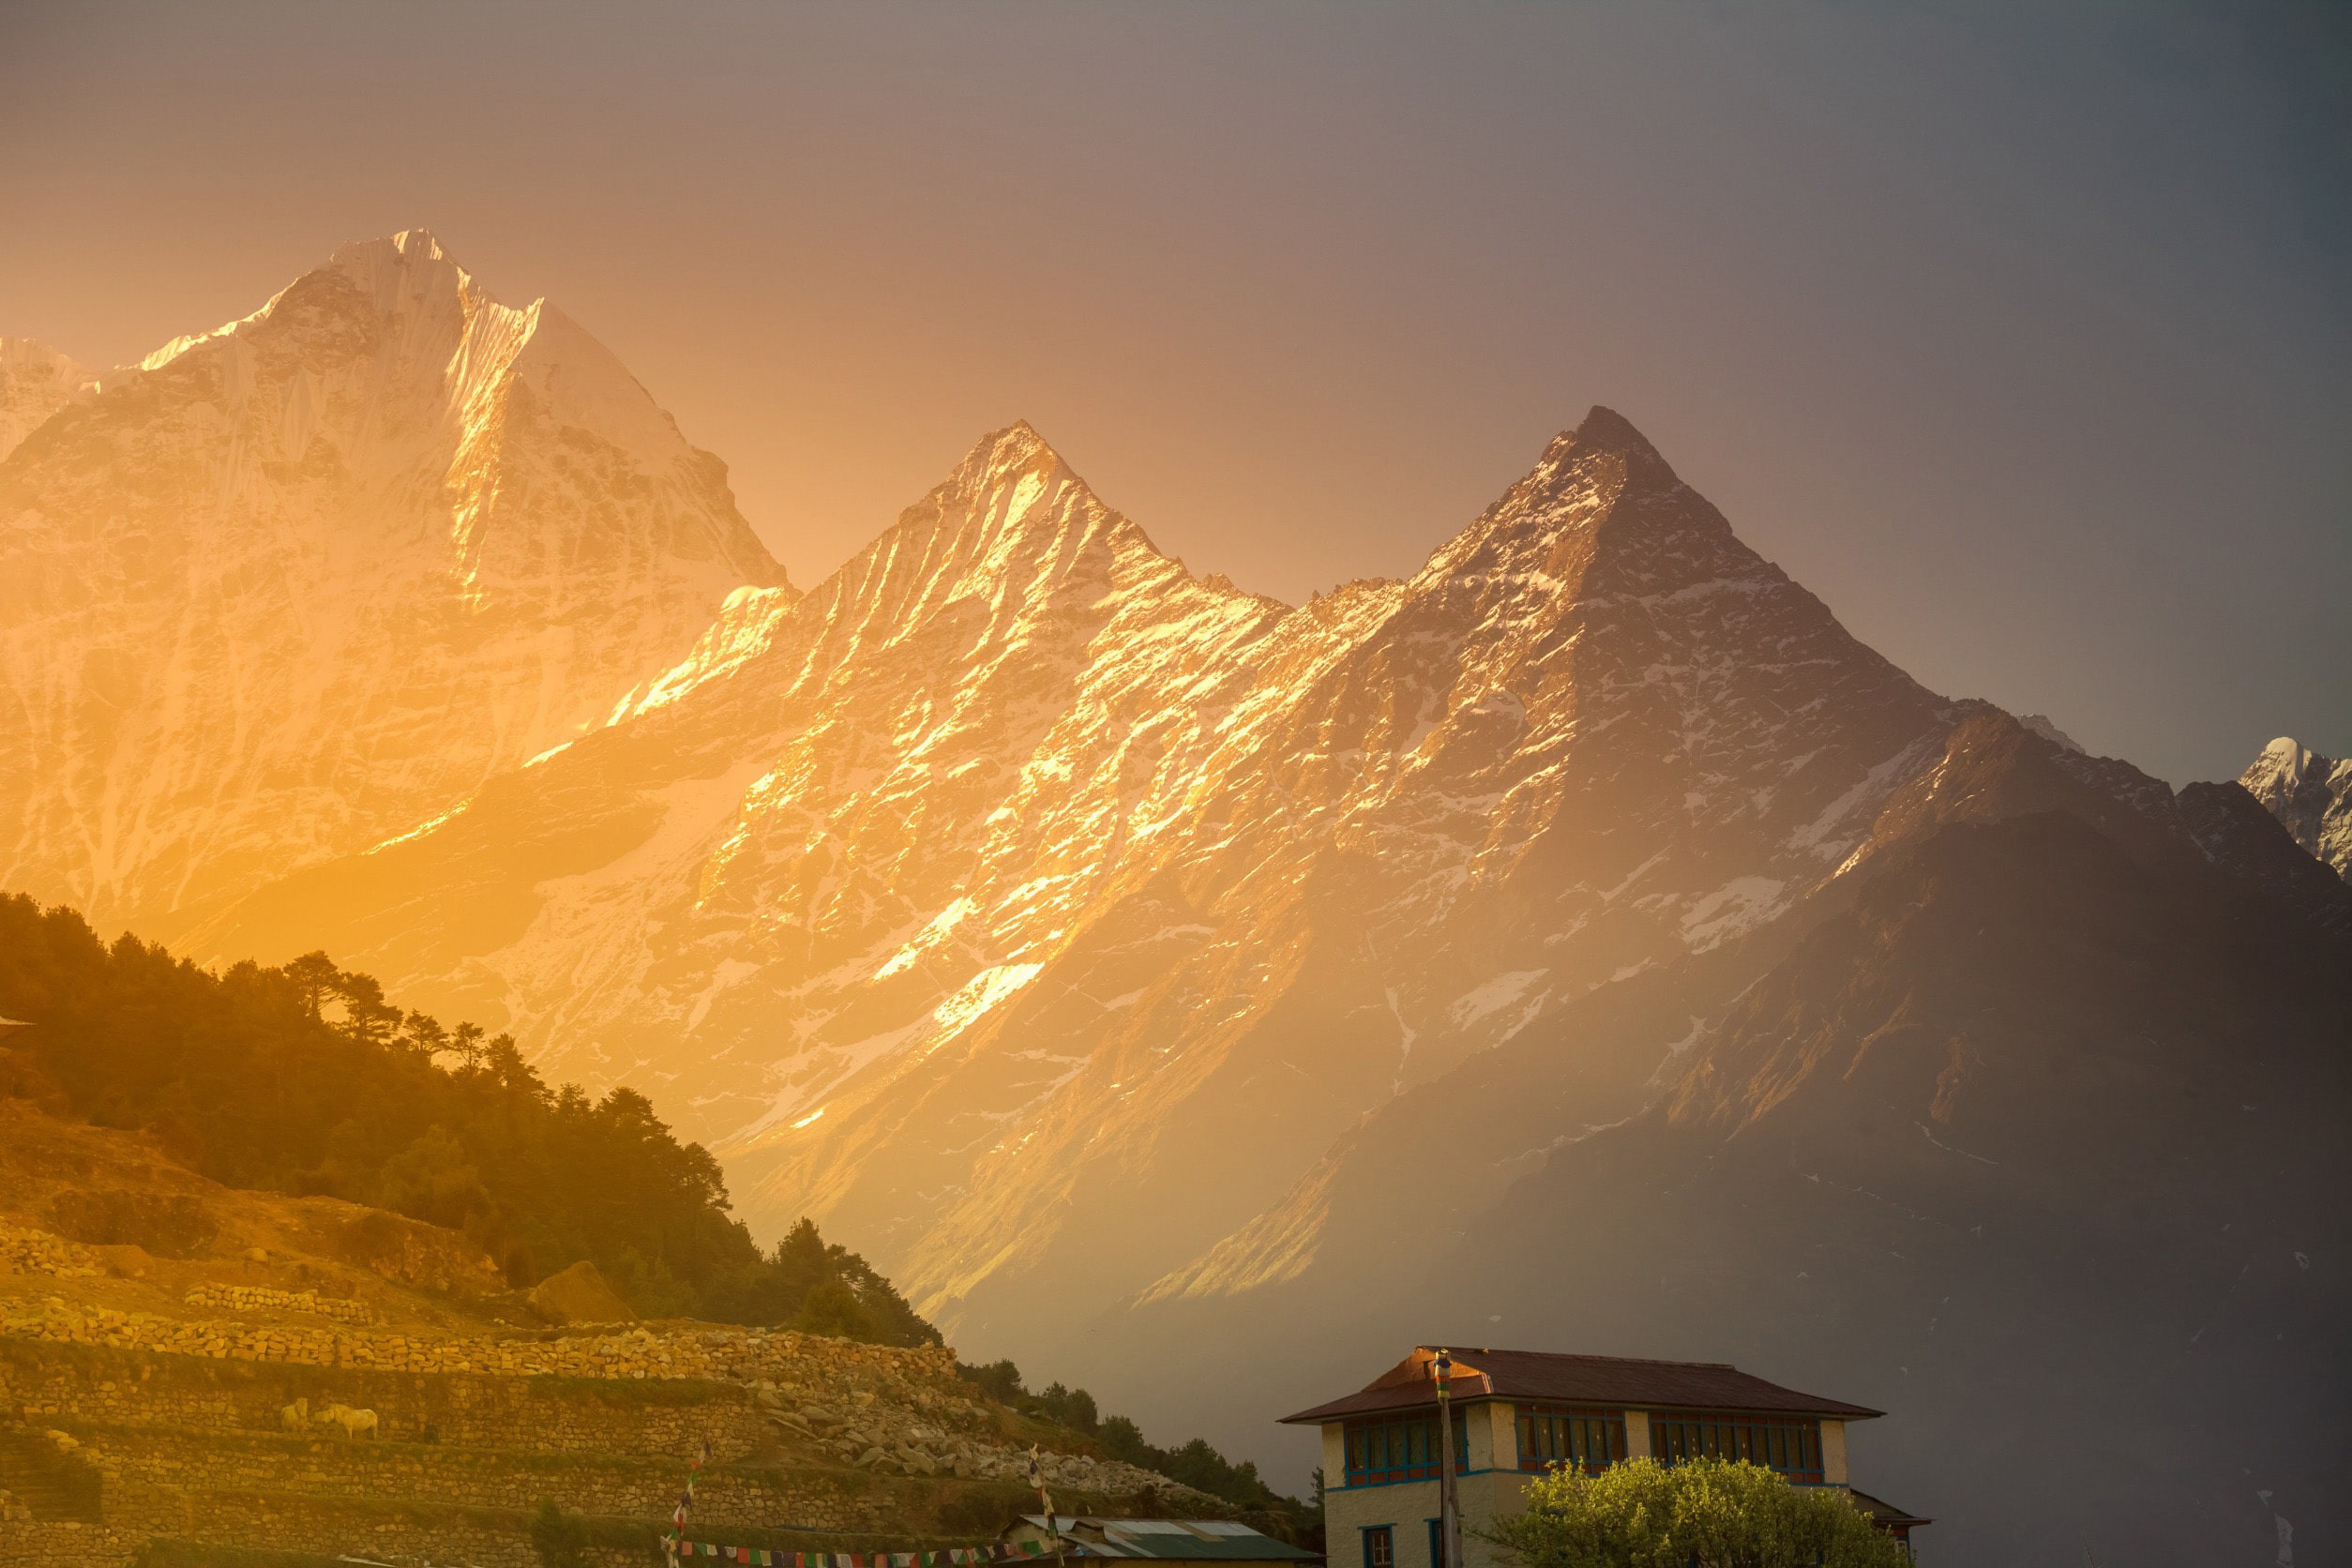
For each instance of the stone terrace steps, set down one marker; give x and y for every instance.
(650, 1418)
(825, 1497)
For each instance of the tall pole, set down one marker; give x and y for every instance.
(1045, 1499)
(1449, 1513)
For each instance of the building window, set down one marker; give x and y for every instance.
(1379, 1547)
(1401, 1448)
(1562, 1435)
(1783, 1443)
(1436, 1543)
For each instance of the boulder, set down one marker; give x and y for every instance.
(580, 1295)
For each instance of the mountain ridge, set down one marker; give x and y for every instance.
(987, 849)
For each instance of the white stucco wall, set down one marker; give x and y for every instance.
(1834, 1453)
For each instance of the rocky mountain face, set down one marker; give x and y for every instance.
(2028, 1129)
(293, 586)
(2310, 795)
(1017, 899)
(36, 381)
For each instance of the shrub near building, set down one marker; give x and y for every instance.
(1698, 1514)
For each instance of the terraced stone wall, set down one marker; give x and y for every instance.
(197, 1462)
(653, 1419)
(744, 1354)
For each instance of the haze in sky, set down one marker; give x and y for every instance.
(2018, 333)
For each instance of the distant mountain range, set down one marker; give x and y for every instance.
(1585, 943)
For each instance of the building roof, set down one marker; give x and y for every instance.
(1607, 1381)
(1883, 1513)
(1186, 1540)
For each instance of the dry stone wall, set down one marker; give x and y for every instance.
(394, 1531)
(192, 1461)
(515, 1414)
(29, 1543)
(254, 1298)
(713, 1352)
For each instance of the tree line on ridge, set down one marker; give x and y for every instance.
(305, 1079)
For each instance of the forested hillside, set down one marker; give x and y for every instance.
(305, 1079)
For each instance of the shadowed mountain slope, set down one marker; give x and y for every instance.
(2029, 1130)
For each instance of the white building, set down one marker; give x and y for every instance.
(1517, 1412)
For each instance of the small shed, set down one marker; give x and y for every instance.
(1225, 1542)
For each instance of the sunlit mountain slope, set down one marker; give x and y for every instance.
(1016, 897)
(2310, 794)
(297, 584)
(36, 381)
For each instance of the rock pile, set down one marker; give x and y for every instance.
(39, 1252)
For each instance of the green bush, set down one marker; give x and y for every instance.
(558, 1536)
(985, 1510)
(1705, 1514)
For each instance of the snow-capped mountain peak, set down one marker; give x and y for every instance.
(300, 581)
(2310, 794)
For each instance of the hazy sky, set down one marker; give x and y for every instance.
(2018, 333)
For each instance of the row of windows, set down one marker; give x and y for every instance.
(1401, 1448)
(1591, 1438)
(1404, 1447)
(1791, 1447)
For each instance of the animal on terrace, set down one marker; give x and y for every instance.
(351, 1422)
(296, 1416)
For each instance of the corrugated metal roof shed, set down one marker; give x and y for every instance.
(1166, 1540)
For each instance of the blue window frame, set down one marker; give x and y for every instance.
(1401, 1447)
(1591, 1440)
(1437, 1543)
(1380, 1546)
(1785, 1443)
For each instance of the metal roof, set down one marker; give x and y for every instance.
(1884, 1512)
(1609, 1381)
(1186, 1540)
